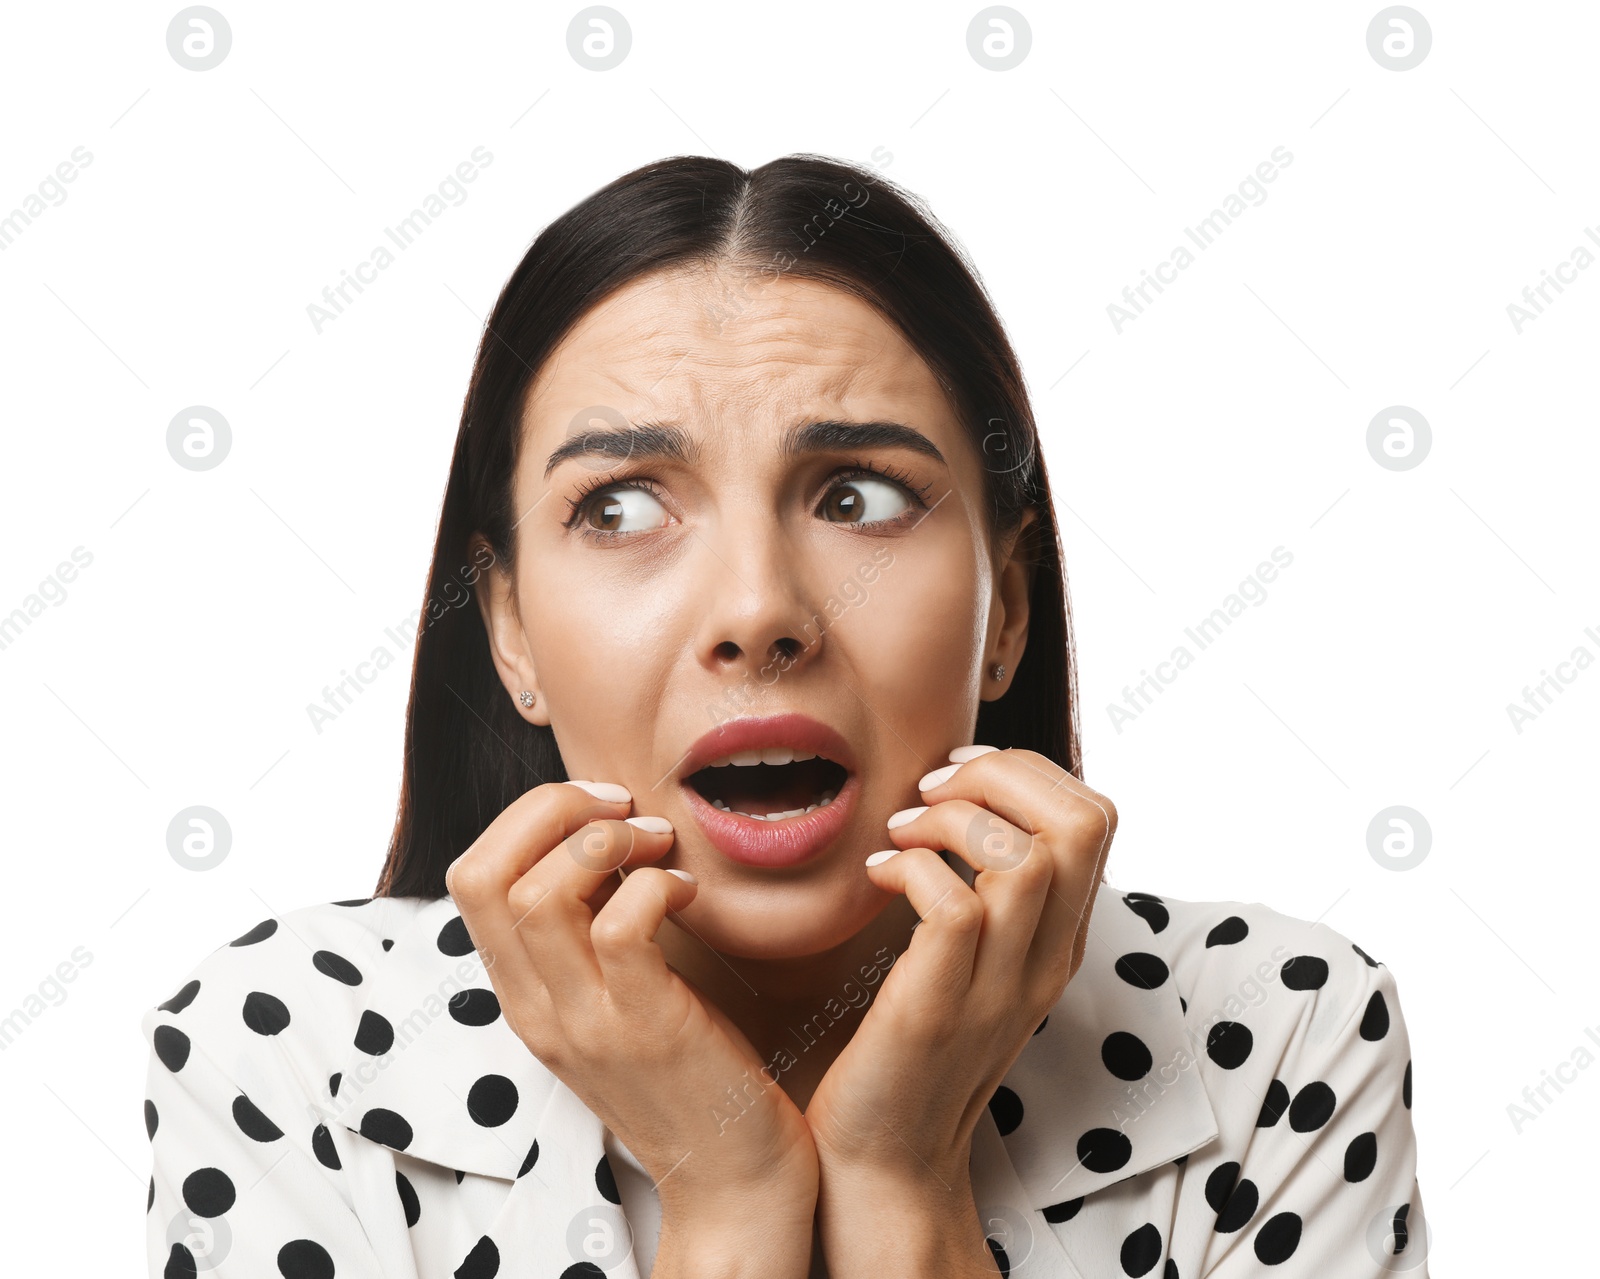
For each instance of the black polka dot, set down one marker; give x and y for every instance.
(1312, 1107)
(333, 1083)
(150, 1199)
(585, 1270)
(337, 967)
(1305, 972)
(1141, 1250)
(1228, 1043)
(1042, 1024)
(483, 1262)
(1125, 1055)
(1148, 909)
(1170, 1270)
(1405, 1086)
(528, 1160)
(1104, 1150)
(1401, 1235)
(1241, 1206)
(408, 1198)
(1006, 1107)
(1001, 1261)
(265, 1014)
(1375, 1021)
(322, 1146)
(455, 940)
(252, 1123)
(1361, 1157)
(492, 1100)
(374, 1035)
(1142, 969)
(354, 901)
(475, 1007)
(1371, 962)
(182, 999)
(260, 932)
(208, 1192)
(1055, 1214)
(304, 1259)
(388, 943)
(461, 1175)
(172, 1047)
(386, 1128)
(1183, 1004)
(1274, 1104)
(151, 1119)
(1231, 930)
(1219, 1185)
(180, 1262)
(1277, 1240)
(606, 1181)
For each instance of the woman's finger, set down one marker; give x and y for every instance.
(632, 965)
(1076, 825)
(944, 943)
(479, 880)
(1014, 868)
(550, 902)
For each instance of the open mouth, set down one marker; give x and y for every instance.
(771, 784)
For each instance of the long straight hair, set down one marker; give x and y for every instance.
(468, 753)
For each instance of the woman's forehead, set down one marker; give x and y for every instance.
(791, 348)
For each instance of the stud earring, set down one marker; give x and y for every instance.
(525, 697)
(999, 670)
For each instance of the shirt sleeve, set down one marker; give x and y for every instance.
(1327, 1183)
(245, 1181)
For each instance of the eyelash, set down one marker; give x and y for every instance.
(577, 506)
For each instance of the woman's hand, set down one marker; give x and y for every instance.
(984, 966)
(572, 956)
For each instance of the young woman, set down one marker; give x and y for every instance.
(816, 970)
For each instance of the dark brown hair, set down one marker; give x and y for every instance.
(469, 753)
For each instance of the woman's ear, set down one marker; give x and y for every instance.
(508, 642)
(1009, 617)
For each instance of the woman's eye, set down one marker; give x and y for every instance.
(861, 500)
(611, 510)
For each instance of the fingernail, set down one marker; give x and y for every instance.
(877, 859)
(962, 754)
(605, 790)
(683, 875)
(660, 825)
(905, 815)
(937, 777)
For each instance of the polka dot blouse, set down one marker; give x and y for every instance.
(1220, 1091)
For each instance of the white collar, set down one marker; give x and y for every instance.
(1081, 1127)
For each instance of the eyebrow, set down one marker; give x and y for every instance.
(656, 440)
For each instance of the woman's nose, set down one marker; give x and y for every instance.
(757, 605)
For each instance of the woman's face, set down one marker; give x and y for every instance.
(663, 591)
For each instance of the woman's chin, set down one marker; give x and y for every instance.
(776, 920)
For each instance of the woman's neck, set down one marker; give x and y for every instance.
(798, 1014)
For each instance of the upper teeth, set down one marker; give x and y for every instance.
(766, 755)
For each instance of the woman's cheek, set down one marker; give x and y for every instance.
(919, 629)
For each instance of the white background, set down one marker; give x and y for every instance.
(1228, 419)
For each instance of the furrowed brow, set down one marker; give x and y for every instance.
(657, 441)
(636, 440)
(835, 437)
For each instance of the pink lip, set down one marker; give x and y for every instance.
(800, 732)
(753, 842)
(749, 840)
